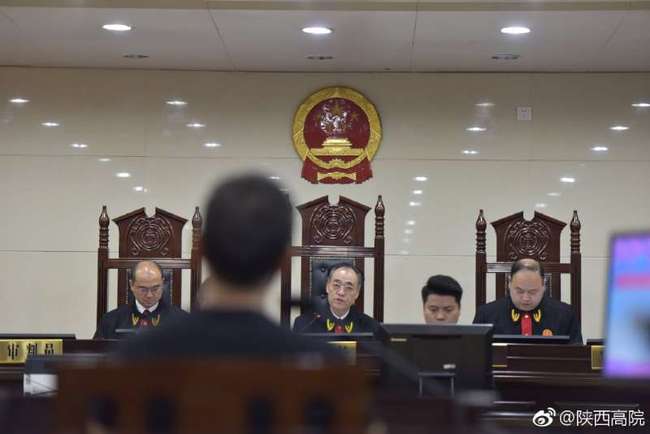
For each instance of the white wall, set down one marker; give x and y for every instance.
(51, 194)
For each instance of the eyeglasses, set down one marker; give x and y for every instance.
(339, 285)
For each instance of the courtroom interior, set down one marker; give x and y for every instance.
(324, 216)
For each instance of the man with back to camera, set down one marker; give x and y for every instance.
(148, 308)
(441, 300)
(344, 283)
(527, 310)
(246, 236)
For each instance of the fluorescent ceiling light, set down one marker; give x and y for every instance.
(411, 222)
(420, 178)
(115, 27)
(274, 178)
(50, 124)
(104, 160)
(123, 174)
(515, 30)
(619, 128)
(415, 203)
(195, 125)
(79, 145)
(212, 145)
(317, 30)
(485, 104)
(540, 205)
(568, 179)
(417, 192)
(641, 104)
(475, 129)
(19, 100)
(176, 102)
(554, 194)
(470, 152)
(600, 149)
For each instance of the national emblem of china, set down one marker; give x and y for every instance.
(336, 132)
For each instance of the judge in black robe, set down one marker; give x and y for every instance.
(148, 309)
(527, 309)
(338, 315)
(132, 316)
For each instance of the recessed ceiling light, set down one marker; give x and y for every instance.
(600, 149)
(417, 192)
(406, 240)
(415, 203)
(176, 102)
(475, 129)
(515, 30)
(212, 145)
(135, 56)
(420, 178)
(19, 100)
(619, 128)
(50, 124)
(195, 125)
(274, 178)
(320, 57)
(411, 222)
(79, 145)
(554, 194)
(641, 104)
(568, 179)
(403, 252)
(470, 152)
(104, 160)
(485, 104)
(123, 174)
(540, 205)
(317, 30)
(115, 27)
(139, 188)
(506, 57)
(408, 231)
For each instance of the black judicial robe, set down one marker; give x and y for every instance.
(128, 316)
(323, 321)
(550, 317)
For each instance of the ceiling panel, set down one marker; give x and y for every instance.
(184, 39)
(272, 40)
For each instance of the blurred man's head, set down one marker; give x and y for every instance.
(526, 284)
(441, 300)
(344, 282)
(247, 231)
(146, 283)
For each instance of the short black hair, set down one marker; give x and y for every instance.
(135, 266)
(442, 285)
(247, 229)
(349, 265)
(527, 264)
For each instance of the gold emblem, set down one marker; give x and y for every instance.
(330, 325)
(514, 315)
(349, 327)
(336, 132)
(155, 321)
(537, 316)
(134, 319)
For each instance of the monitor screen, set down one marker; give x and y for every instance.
(462, 350)
(627, 352)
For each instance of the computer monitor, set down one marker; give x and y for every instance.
(462, 350)
(627, 329)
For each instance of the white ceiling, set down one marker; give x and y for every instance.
(368, 36)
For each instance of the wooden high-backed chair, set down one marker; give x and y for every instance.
(159, 238)
(333, 234)
(212, 396)
(539, 238)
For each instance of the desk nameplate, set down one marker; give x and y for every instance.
(16, 351)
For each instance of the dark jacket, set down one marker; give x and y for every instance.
(127, 316)
(554, 316)
(323, 321)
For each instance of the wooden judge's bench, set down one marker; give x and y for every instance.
(527, 377)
